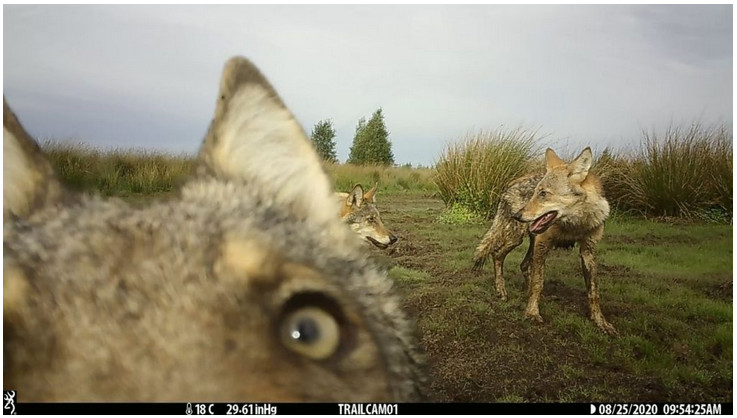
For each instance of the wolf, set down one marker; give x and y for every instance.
(245, 286)
(358, 210)
(563, 206)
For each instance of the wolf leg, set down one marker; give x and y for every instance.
(539, 252)
(504, 235)
(527, 262)
(511, 239)
(588, 265)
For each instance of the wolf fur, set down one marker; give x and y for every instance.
(558, 208)
(245, 287)
(358, 210)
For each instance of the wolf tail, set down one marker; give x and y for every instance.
(490, 243)
(483, 250)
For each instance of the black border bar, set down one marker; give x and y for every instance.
(206, 408)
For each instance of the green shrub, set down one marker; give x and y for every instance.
(686, 172)
(613, 170)
(459, 215)
(473, 171)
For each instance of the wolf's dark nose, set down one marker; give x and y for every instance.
(392, 239)
(517, 216)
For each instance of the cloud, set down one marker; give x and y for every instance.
(147, 75)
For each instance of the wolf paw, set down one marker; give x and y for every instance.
(534, 316)
(607, 328)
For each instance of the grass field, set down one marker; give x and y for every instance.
(666, 287)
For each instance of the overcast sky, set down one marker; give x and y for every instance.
(147, 76)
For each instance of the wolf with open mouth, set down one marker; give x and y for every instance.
(559, 208)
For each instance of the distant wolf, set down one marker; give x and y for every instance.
(246, 286)
(558, 208)
(358, 210)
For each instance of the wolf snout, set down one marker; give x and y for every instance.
(518, 216)
(392, 239)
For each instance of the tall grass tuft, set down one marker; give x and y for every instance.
(613, 168)
(721, 175)
(117, 172)
(140, 172)
(685, 172)
(403, 179)
(473, 171)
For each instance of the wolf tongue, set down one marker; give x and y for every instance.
(549, 217)
(536, 225)
(541, 221)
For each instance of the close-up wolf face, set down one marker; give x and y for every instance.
(559, 194)
(246, 286)
(359, 211)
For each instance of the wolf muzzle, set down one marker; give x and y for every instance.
(518, 216)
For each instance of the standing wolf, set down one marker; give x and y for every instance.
(358, 210)
(246, 287)
(559, 208)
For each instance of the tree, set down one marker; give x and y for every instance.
(371, 143)
(323, 138)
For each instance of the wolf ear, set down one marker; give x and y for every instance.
(371, 194)
(578, 169)
(356, 196)
(253, 138)
(29, 183)
(552, 160)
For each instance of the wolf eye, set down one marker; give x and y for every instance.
(371, 219)
(542, 193)
(311, 332)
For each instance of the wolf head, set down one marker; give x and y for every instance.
(567, 195)
(245, 287)
(360, 213)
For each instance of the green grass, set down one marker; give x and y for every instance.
(118, 172)
(408, 277)
(139, 172)
(390, 179)
(459, 215)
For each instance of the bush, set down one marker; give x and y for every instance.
(686, 172)
(473, 171)
(459, 215)
(612, 169)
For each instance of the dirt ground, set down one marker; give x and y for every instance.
(481, 349)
